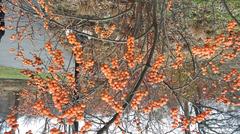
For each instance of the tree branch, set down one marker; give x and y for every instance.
(229, 12)
(147, 65)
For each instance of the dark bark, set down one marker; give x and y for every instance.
(2, 23)
(77, 65)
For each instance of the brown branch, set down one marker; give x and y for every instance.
(229, 12)
(174, 93)
(190, 51)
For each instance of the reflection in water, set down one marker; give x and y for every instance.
(9, 99)
(224, 118)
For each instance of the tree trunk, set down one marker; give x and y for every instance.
(76, 124)
(2, 23)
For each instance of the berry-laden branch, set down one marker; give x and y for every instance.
(136, 86)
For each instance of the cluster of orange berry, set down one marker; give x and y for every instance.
(39, 105)
(27, 62)
(72, 39)
(40, 83)
(139, 59)
(153, 77)
(48, 47)
(236, 83)
(52, 69)
(85, 127)
(75, 112)
(115, 63)
(105, 33)
(155, 105)
(45, 6)
(222, 98)
(90, 84)
(229, 56)
(129, 55)
(219, 39)
(59, 96)
(237, 48)
(78, 52)
(201, 117)
(58, 57)
(110, 101)
(179, 57)
(229, 41)
(194, 119)
(174, 116)
(41, 109)
(55, 131)
(138, 97)
(45, 25)
(214, 68)
(37, 60)
(117, 79)
(159, 62)
(12, 121)
(231, 25)
(77, 48)
(185, 123)
(204, 52)
(28, 73)
(71, 80)
(229, 76)
(88, 65)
